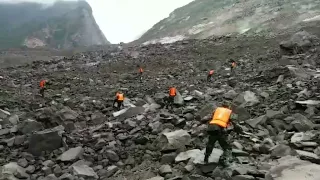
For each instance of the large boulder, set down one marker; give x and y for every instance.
(247, 98)
(13, 171)
(174, 140)
(299, 43)
(29, 126)
(46, 140)
(293, 168)
(301, 123)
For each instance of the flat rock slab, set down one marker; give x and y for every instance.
(293, 168)
(174, 140)
(72, 154)
(128, 113)
(84, 171)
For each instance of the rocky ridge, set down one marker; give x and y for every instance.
(74, 132)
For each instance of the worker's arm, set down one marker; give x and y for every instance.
(236, 127)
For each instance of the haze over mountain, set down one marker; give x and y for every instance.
(60, 24)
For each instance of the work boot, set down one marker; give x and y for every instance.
(206, 159)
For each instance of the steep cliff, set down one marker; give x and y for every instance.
(65, 24)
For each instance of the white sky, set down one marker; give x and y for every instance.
(126, 20)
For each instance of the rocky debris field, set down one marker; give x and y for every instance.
(75, 133)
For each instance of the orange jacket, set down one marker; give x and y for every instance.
(42, 83)
(120, 97)
(140, 70)
(233, 64)
(221, 117)
(211, 72)
(172, 92)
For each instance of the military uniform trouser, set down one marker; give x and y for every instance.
(119, 103)
(217, 134)
(42, 92)
(170, 101)
(209, 78)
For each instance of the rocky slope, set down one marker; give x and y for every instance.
(205, 18)
(65, 24)
(74, 132)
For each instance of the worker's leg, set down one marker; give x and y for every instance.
(114, 102)
(227, 153)
(208, 78)
(42, 92)
(120, 103)
(213, 136)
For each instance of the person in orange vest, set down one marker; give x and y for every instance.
(221, 119)
(42, 86)
(119, 100)
(140, 72)
(172, 94)
(209, 77)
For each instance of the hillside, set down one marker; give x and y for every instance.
(205, 18)
(62, 25)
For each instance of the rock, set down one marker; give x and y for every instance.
(281, 150)
(128, 113)
(305, 155)
(109, 172)
(4, 114)
(29, 126)
(67, 114)
(98, 118)
(300, 42)
(290, 167)
(198, 156)
(165, 169)
(47, 140)
(46, 170)
(156, 178)
(13, 169)
(112, 156)
(51, 177)
(207, 110)
(23, 163)
(308, 102)
(4, 131)
(66, 176)
(280, 78)
(257, 121)
(302, 123)
(243, 177)
(30, 169)
(189, 117)
(84, 171)
(18, 140)
(168, 158)
(174, 140)
(230, 94)
(72, 154)
(178, 99)
(14, 119)
(57, 170)
(247, 98)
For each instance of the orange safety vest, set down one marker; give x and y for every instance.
(172, 92)
(211, 72)
(233, 64)
(42, 83)
(221, 117)
(120, 96)
(141, 70)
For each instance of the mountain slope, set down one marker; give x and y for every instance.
(204, 18)
(62, 25)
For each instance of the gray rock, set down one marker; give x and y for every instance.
(302, 123)
(47, 140)
(19, 140)
(197, 156)
(174, 140)
(67, 114)
(256, 121)
(207, 110)
(156, 178)
(178, 99)
(13, 169)
(305, 155)
(165, 169)
(14, 119)
(109, 172)
(4, 114)
(72, 154)
(23, 163)
(46, 170)
(66, 176)
(84, 171)
(98, 118)
(243, 177)
(29, 126)
(247, 98)
(129, 112)
(51, 177)
(113, 156)
(281, 150)
(290, 167)
(48, 163)
(30, 169)
(308, 102)
(230, 94)
(4, 131)
(168, 158)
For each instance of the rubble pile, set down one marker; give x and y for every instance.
(74, 132)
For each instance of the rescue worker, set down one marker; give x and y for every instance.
(233, 66)
(119, 100)
(140, 72)
(217, 127)
(209, 77)
(42, 87)
(172, 94)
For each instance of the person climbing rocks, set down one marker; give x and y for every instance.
(140, 72)
(209, 77)
(172, 94)
(233, 66)
(119, 100)
(217, 131)
(42, 85)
